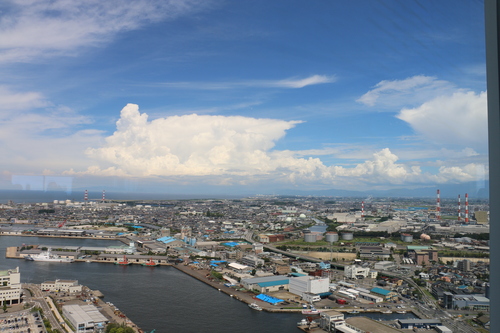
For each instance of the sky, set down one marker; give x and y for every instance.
(187, 96)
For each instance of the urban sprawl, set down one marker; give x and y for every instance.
(325, 257)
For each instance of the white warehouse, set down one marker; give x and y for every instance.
(309, 284)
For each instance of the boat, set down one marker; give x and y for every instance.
(123, 262)
(254, 306)
(310, 311)
(387, 311)
(401, 311)
(303, 322)
(353, 311)
(150, 263)
(48, 256)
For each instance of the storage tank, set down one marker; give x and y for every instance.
(425, 237)
(332, 237)
(347, 235)
(310, 238)
(407, 238)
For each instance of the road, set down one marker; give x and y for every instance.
(39, 297)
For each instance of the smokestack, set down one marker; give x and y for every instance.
(362, 209)
(86, 196)
(459, 218)
(466, 208)
(103, 195)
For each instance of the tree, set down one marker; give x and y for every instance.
(4, 306)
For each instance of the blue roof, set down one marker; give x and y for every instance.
(217, 261)
(231, 244)
(273, 283)
(138, 227)
(268, 299)
(380, 291)
(297, 274)
(166, 239)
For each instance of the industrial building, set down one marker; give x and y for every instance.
(358, 272)
(309, 284)
(68, 286)
(84, 318)
(472, 302)
(384, 293)
(10, 290)
(266, 283)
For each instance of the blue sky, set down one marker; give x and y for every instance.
(241, 96)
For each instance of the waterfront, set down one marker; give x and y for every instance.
(160, 298)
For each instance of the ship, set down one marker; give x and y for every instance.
(254, 306)
(310, 311)
(47, 256)
(123, 262)
(150, 263)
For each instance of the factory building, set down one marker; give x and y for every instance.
(84, 318)
(309, 284)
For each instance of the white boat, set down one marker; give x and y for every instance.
(254, 306)
(353, 311)
(303, 322)
(47, 256)
(310, 311)
(387, 311)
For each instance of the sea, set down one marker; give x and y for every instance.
(155, 298)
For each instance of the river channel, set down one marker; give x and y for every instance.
(160, 298)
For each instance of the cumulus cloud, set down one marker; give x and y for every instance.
(410, 91)
(232, 150)
(30, 29)
(457, 119)
(291, 83)
(190, 144)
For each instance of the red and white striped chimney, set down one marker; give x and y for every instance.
(466, 208)
(362, 209)
(438, 206)
(459, 217)
(103, 195)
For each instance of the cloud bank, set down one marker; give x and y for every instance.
(240, 149)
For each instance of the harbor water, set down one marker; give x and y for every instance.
(160, 298)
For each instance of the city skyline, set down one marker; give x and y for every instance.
(209, 96)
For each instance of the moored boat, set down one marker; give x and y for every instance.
(123, 262)
(310, 311)
(303, 322)
(254, 306)
(150, 263)
(47, 256)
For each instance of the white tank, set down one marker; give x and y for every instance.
(347, 235)
(310, 238)
(332, 237)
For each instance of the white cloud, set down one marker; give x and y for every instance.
(292, 83)
(11, 100)
(229, 150)
(407, 92)
(457, 119)
(190, 144)
(30, 29)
